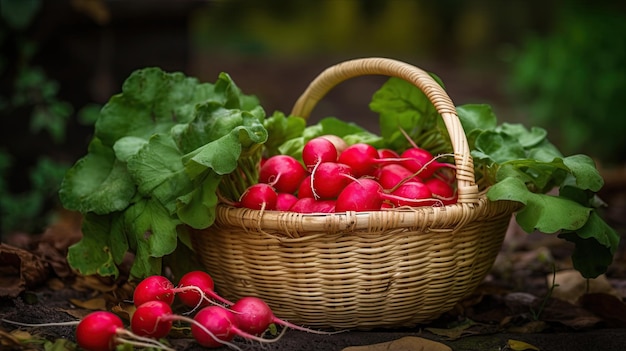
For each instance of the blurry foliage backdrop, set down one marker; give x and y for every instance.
(556, 64)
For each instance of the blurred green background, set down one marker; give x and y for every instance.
(555, 64)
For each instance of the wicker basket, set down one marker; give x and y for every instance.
(361, 270)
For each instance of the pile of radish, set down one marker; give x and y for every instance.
(335, 177)
(216, 322)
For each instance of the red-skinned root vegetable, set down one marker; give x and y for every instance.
(160, 288)
(223, 326)
(103, 331)
(260, 196)
(283, 172)
(254, 316)
(198, 297)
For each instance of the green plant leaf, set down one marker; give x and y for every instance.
(97, 183)
(197, 208)
(543, 212)
(92, 254)
(585, 172)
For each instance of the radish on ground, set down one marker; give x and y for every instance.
(159, 288)
(201, 296)
(254, 316)
(260, 196)
(283, 172)
(223, 326)
(154, 319)
(102, 331)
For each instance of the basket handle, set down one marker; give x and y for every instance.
(467, 189)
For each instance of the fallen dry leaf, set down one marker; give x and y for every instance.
(407, 343)
(95, 304)
(19, 270)
(571, 285)
(608, 307)
(517, 345)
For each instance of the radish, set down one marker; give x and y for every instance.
(413, 194)
(392, 174)
(254, 316)
(102, 331)
(260, 196)
(222, 324)
(198, 297)
(283, 172)
(363, 159)
(422, 162)
(329, 178)
(318, 150)
(361, 195)
(366, 194)
(154, 319)
(310, 205)
(387, 153)
(306, 188)
(159, 288)
(284, 201)
(338, 141)
(441, 190)
(154, 287)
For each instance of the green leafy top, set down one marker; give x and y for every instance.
(515, 163)
(156, 161)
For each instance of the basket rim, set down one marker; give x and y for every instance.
(299, 225)
(467, 189)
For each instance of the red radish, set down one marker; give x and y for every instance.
(413, 194)
(254, 316)
(260, 196)
(152, 319)
(329, 178)
(364, 159)
(198, 297)
(222, 323)
(102, 331)
(360, 195)
(318, 150)
(367, 195)
(387, 153)
(310, 205)
(392, 174)
(283, 172)
(339, 143)
(154, 287)
(306, 188)
(422, 162)
(441, 190)
(284, 201)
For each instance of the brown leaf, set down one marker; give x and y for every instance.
(571, 285)
(517, 345)
(19, 270)
(407, 343)
(611, 309)
(95, 304)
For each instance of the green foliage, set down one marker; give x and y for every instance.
(572, 81)
(159, 154)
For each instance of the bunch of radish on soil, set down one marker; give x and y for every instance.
(216, 321)
(335, 177)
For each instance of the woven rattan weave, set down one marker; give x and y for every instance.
(361, 270)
